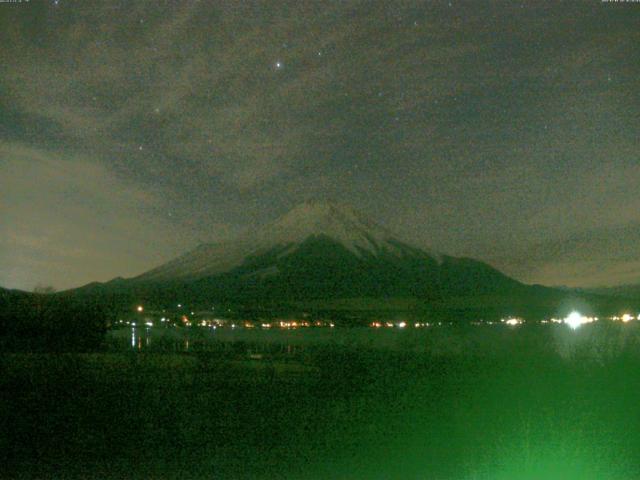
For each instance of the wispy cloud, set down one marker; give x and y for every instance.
(72, 211)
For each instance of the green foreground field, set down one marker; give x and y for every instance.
(525, 410)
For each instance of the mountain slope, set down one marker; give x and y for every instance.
(323, 257)
(317, 252)
(346, 227)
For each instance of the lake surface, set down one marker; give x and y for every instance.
(598, 340)
(450, 403)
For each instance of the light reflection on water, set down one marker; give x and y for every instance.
(592, 340)
(204, 339)
(137, 338)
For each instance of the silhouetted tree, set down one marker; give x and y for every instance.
(43, 289)
(48, 322)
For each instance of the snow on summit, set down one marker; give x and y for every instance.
(340, 223)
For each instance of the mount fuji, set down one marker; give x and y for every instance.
(320, 254)
(264, 251)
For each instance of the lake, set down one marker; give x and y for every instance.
(487, 402)
(598, 340)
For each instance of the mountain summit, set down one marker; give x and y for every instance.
(320, 250)
(332, 222)
(339, 222)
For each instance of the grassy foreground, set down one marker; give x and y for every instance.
(538, 405)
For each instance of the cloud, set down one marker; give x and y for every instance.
(67, 220)
(475, 130)
(197, 82)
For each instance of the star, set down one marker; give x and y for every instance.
(278, 65)
(140, 147)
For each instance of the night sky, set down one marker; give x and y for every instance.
(504, 131)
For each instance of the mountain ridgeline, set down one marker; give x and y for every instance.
(324, 255)
(322, 268)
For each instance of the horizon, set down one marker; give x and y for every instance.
(252, 231)
(249, 231)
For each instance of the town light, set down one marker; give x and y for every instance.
(512, 321)
(575, 319)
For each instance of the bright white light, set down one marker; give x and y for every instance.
(512, 321)
(626, 318)
(149, 324)
(140, 308)
(402, 324)
(574, 320)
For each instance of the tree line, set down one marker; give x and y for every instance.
(46, 321)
